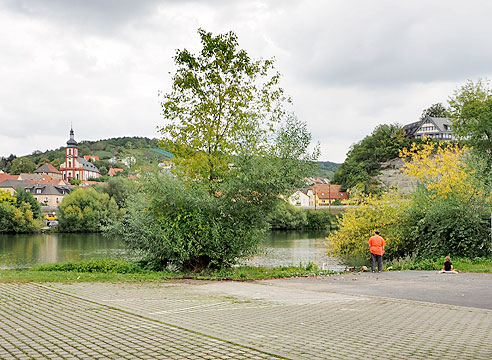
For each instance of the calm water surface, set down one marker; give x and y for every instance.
(280, 249)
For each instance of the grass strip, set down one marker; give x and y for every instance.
(476, 265)
(122, 271)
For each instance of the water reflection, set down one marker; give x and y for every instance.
(279, 249)
(285, 248)
(17, 251)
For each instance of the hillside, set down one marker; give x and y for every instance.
(144, 151)
(325, 169)
(140, 151)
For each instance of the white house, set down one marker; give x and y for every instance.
(299, 198)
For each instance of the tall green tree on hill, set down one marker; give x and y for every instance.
(22, 165)
(437, 110)
(236, 150)
(471, 112)
(364, 158)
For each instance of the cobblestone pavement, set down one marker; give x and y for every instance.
(37, 322)
(298, 323)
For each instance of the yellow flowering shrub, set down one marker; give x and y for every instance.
(440, 168)
(7, 198)
(357, 224)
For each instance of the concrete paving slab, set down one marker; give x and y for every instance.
(308, 319)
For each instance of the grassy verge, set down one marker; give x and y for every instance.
(121, 271)
(478, 265)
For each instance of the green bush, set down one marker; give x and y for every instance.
(171, 222)
(95, 266)
(442, 226)
(87, 211)
(18, 219)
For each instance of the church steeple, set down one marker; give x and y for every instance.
(71, 142)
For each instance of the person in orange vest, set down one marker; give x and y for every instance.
(376, 246)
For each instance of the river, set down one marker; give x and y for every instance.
(279, 249)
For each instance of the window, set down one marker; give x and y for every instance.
(38, 191)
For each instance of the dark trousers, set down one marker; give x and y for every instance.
(379, 259)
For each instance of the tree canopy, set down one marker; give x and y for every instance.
(236, 150)
(222, 103)
(471, 112)
(364, 158)
(22, 165)
(437, 110)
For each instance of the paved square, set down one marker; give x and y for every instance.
(291, 319)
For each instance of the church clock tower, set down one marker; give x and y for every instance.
(75, 167)
(71, 156)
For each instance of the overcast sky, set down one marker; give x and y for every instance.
(348, 65)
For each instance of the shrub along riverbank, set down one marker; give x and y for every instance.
(476, 265)
(123, 271)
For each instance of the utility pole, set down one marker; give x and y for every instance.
(329, 197)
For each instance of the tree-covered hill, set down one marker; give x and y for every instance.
(145, 151)
(325, 169)
(364, 159)
(139, 148)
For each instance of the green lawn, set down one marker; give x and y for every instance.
(120, 271)
(477, 265)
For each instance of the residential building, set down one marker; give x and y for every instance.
(5, 176)
(325, 194)
(76, 167)
(48, 194)
(318, 195)
(299, 198)
(12, 185)
(48, 169)
(432, 127)
(91, 157)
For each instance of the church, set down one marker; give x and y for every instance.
(76, 167)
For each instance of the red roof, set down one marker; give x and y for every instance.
(114, 171)
(329, 191)
(8, 177)
(93, 157)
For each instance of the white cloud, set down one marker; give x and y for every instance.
(349, 66)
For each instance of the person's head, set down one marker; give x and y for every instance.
(376, 232)
(447, 258)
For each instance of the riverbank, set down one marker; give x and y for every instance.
(107, 270)
(122, 271)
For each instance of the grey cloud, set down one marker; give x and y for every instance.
(363, 43)
(90, 15)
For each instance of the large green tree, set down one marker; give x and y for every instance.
(437, 110)
(87, 211)
(222, 103)
(22, 196)
(471, 112)
(16, 217)
(236, 152)
(365, 157)
(22, 165)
